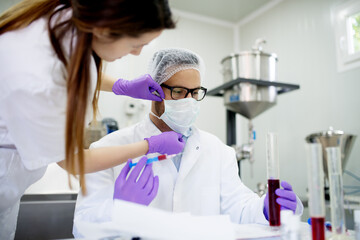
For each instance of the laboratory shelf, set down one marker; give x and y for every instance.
(281, 87)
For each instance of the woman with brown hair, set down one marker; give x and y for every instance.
(51, 54)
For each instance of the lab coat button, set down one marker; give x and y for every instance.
(197, 147)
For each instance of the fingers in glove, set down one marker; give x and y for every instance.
(145, 175)
(285, 208)
(153, 96)
(286, 185)
(154, 86)
(180, 137)
(124, 172)
(137, 169)
(155, 188)
(286, 203)
(266, 206)
(149, 184)
(290, 195)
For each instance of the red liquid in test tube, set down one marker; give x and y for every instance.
(316, 190)
(272, 156)
(318, 228)
(274, 207)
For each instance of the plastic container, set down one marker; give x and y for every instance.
(290, 225)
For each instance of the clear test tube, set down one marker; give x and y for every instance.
(273, 172)
(336, 192)
(316, 190)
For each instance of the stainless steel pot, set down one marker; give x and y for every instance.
(250, 64)
(250, 99)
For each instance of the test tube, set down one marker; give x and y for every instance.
(316, 190)
(336, 192)
(272, 156)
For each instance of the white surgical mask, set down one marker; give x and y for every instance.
(180, 114)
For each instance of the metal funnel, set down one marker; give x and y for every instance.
(250, 100)
(333, 138)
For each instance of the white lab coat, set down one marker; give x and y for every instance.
(32, 113)
(207, 182)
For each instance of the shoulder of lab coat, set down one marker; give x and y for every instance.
(97, 204)
(33, 95)
(237, 200)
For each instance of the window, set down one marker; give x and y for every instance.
(347, 34)
(354, 33)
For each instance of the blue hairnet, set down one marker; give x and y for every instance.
(166, 62)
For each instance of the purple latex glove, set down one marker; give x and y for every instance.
(141, 87)
(142, 191)
(286, 199)
(166, 143)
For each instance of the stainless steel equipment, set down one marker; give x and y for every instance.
(246, 98)
(94, 132)
(46, 216)
(249, 89)
(333, 138)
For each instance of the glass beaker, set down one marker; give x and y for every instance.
(316, 190)
(336, 192)
(272, 156)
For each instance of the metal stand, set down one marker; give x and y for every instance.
(230, 128)
(231, 131)
(281, 87)
(244, 151)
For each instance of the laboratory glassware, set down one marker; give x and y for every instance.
(336, 192)
(272, 156)
(316, 190)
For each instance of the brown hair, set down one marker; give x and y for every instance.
(121, 17)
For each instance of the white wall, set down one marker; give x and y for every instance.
(301, 34)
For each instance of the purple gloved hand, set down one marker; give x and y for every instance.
(142, 191)
(141, 87)
(166, 143)
(286, 199)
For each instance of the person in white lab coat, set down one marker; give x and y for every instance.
(203, 180)
(50, 56)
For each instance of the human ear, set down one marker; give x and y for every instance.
(101, 33)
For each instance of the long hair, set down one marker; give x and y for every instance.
(120, 17)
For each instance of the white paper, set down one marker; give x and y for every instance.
(248, 231)
(151, 223)
(93, 230)
(134, 220)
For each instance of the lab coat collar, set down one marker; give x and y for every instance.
(149, 127)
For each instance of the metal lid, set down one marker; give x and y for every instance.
(328, 133)
(247, 53)
(331, 132)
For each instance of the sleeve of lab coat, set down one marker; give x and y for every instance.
(237, 200)
(97, 204)
(34, 115)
